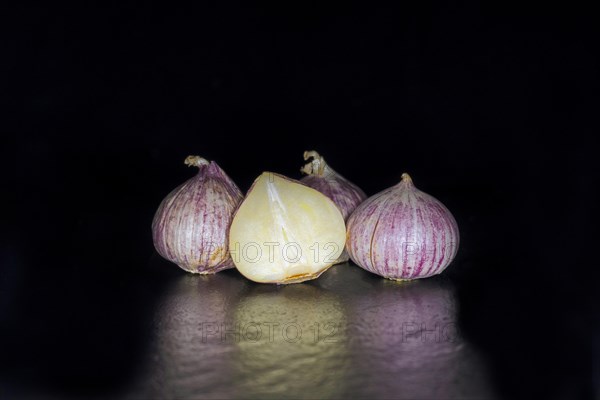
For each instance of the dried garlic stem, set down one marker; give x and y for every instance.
(316, 166)
(195, 161)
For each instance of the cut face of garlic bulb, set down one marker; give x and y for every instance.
(285, 232)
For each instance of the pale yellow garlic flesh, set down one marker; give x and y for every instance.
(285, 232)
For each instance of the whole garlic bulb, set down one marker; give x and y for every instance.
(345, 194)
(191, 225)
(402, 233)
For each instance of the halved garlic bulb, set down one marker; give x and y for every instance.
(285, 232)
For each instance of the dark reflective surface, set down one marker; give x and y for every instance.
(488, 109)
(347, 334)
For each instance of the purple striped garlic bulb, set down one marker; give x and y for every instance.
(402, 233)
(345, 194)
(191, 225)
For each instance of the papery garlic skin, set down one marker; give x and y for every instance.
(345, 194)
(285, 232)
(191, 225)
(320, 176)
(402, 233)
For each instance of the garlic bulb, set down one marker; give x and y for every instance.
(285, 232)
(191, 224)
(402, 233)
(345, 194)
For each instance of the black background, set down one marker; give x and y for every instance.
(490, 109)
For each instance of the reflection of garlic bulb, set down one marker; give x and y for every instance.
(293, 343)
(188, 357)
(408, 334)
